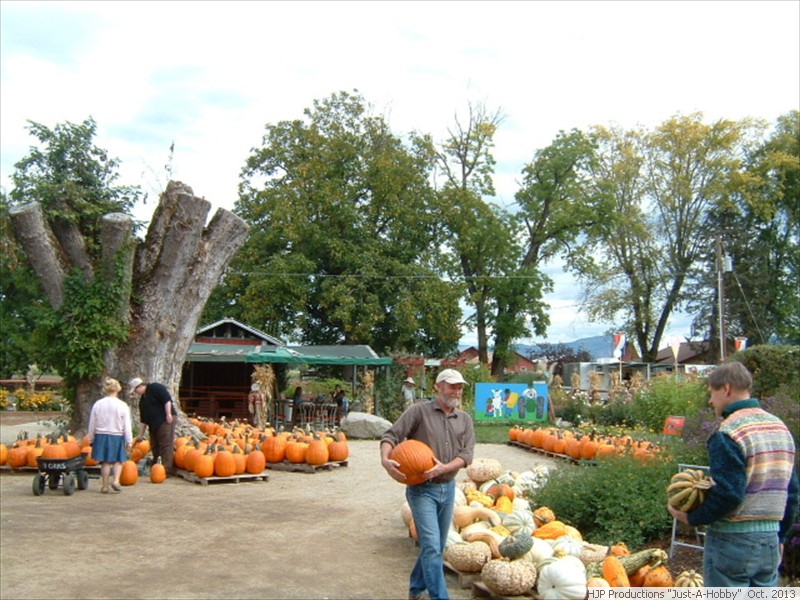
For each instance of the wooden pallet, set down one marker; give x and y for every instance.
(479, 590)
(465, 580)
(551, 454)
(304, 467)
(189, 476)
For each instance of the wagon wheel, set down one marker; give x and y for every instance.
(83, 480)
(69, 484)
(39, 486)
(52, 480)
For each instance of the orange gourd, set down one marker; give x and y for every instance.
(614, 572)
(658, 577)
(296, 452)
(551, 531)
(3, 454)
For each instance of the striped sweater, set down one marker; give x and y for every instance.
(768, 448)
(752, 462)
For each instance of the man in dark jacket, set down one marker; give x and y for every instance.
(157, 413)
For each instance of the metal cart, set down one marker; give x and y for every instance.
(69, 472)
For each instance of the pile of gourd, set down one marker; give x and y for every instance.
(517, 548)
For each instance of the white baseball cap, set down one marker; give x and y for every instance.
(450, 376)
(134, 383)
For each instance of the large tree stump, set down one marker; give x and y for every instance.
(171, 275)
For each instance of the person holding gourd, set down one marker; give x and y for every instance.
(449, 432)
(110, 434)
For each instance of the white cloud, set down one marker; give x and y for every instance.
(209, 75)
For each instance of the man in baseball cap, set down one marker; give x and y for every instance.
(449, 432)
(450, 376)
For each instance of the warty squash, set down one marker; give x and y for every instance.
(467, 557)
(509, 577)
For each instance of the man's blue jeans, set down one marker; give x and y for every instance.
(741, 559)
(432, 508)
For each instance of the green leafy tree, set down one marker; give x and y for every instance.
(343, 246)
(759, 231)
(487, 251)
(664, 186)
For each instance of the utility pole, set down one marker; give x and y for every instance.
(723, 266)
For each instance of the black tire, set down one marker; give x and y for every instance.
(39, 484)
(69, 484)
(53, 480)
(83, 480)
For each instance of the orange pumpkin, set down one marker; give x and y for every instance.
(256, 462)
(18, 457)
(274, 448)
(338, 451)
(415, 458)
(129, 474)
(296, 452)
(3, 454)
(224, 464)
(55, 451)
(204, 464)
(157, 472)
(317, 452)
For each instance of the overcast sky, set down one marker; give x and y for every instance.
(209, 76)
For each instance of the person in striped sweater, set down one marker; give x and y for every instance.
(750, 509)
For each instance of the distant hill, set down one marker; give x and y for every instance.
(598, 346)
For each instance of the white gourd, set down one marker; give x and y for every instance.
(562, 579)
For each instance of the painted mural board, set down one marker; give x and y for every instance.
(511, 401)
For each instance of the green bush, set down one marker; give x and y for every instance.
(618, 499)
(774, 369)
(664, 396)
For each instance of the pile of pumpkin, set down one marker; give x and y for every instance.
(516, 548)
(580, 446)
(63, 445)
(250, 448)
(226, 449)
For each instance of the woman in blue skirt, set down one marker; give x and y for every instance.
(110, 434)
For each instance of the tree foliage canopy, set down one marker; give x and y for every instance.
(344, 241)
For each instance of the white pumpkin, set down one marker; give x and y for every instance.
(467, 557)
(508, 577)
(521, 503)
(566, 545)
(561, 579)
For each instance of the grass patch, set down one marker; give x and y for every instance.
(493, 433)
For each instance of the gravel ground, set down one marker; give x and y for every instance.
(330, 534)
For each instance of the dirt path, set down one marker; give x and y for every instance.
(331, 534)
